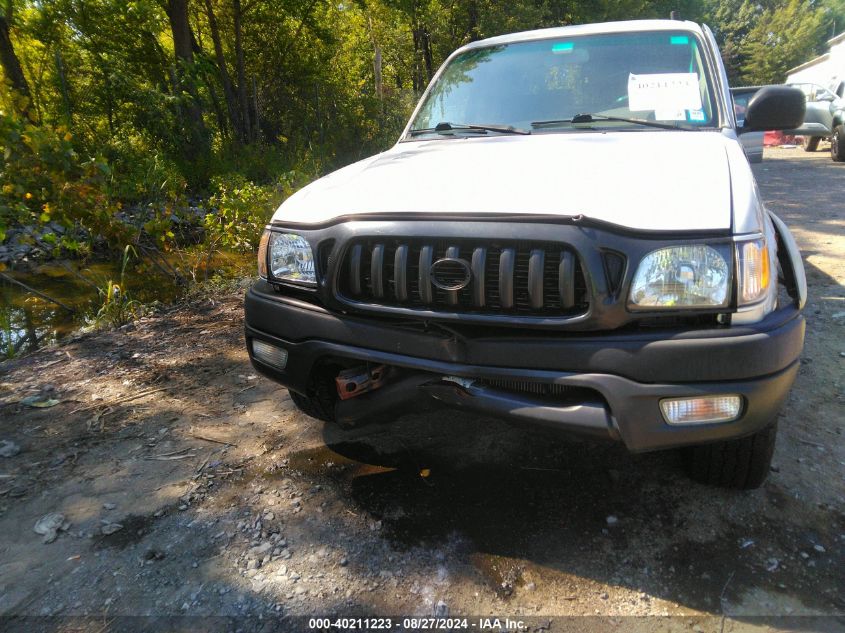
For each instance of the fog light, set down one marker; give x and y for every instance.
(270, 354)
(701, 410)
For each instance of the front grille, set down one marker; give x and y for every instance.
(528, 387)
(545, 391)
(507, 277)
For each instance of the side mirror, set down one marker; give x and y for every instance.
(774, 108)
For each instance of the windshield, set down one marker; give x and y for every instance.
(651, 76)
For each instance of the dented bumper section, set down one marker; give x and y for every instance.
(609, 385)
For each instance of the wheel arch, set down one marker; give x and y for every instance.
(789, 256)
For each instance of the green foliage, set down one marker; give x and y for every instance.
(732, 21)
(781, 39)
(242, 209)
(833, 16)
(761, 40)
(280, 93)
(46, 180)
(257, 162)
(140, 175)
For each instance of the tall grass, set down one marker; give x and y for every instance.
(118, 307)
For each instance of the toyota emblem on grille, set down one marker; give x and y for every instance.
(450, 273)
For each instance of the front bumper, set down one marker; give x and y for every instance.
(631, 371)
(811, 128)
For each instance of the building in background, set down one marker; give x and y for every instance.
(826, 70)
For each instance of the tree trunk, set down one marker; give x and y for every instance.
(60, 71)
(109, 101)
(416, 72)
(223, 71)
(177, 90)
(427, 55)
(183, 40)
(162, 61)
(377, 61)
(423, 64)
(377, 64)
(243, 98)
(256, 114)
(222, 121)
(472, 29)
(12, 66)
(177, 11)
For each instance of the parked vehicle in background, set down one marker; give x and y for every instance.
(752, 142)
(818, 117)
(837, 137)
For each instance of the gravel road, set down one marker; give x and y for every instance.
(189, 486)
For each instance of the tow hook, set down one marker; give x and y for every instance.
(466, 383)
(353, 382)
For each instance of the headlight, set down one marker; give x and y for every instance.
(262, 254)
(695, 276)
(753, 274)
(290, 259)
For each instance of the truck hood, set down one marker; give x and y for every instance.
(643, 180)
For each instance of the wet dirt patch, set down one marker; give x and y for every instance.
(333, 462)
(135, 528)
(502, 574)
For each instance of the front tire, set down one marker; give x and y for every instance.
(810, 143)
(314, 406)
(741, 464)
(320, 397)
(837, 144)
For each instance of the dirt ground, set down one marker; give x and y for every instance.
(190, 486)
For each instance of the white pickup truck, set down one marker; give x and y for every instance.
(566, 234)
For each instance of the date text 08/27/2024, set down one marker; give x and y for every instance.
(416, 624)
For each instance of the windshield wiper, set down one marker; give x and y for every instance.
(590, 118)
(445, 126)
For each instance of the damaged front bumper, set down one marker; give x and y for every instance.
(607, 384)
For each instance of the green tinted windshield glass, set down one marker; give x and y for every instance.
(657, 76)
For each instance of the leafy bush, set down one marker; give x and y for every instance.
(45, 180)
(242, 210)
(142, 175)
(257, 162)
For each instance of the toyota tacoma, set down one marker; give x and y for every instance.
(567, 234)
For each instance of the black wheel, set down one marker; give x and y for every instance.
(321, 397)
(742, 464)
(837, 144)
(810, 143)
(313, 406)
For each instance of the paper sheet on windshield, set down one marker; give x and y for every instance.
(664, 92)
